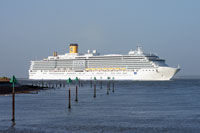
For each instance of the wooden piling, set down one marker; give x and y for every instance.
(60, 84)
(94, 90)
(95, 79)
(69, 104)
(107, 88)
(13, 80)
(101, 84)
(13, 103)
(76, 94)
(42, 83)
(90, 83)
(109, 85)
(113, 86)
(46, 85)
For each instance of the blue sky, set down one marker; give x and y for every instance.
(33, 29)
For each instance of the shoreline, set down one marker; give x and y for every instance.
(19, 89)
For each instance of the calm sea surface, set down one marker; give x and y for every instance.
(172, 106)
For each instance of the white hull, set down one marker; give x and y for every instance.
(157, 74)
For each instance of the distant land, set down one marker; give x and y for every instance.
(187, 77)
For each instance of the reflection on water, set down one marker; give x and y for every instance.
(134, 107)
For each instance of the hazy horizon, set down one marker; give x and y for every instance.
(34, 29)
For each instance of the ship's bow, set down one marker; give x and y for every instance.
(168, 73)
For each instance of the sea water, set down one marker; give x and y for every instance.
(168, 106)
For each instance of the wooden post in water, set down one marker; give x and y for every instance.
(42, 83)
(13, 103)
(108, 85)
(76, 94)
(56, 84)
(91, 83)
(51, 84)
(107, 89)
(113, 85)
(13, 81)
(64, 84)
(95, 87)
(77, 81)
(60, 84)
(69, 102)
(101, 83)
(46, 84)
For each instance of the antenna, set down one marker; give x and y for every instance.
(138, 44)
(139, 47)
(178, 66)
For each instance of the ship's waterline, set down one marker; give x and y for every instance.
(136, 65)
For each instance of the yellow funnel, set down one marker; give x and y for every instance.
(73, 48)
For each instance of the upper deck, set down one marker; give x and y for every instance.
(135, 59)
(134, 54)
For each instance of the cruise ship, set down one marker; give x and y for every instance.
(136, 65)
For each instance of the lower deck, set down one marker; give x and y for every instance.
(161, 73)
